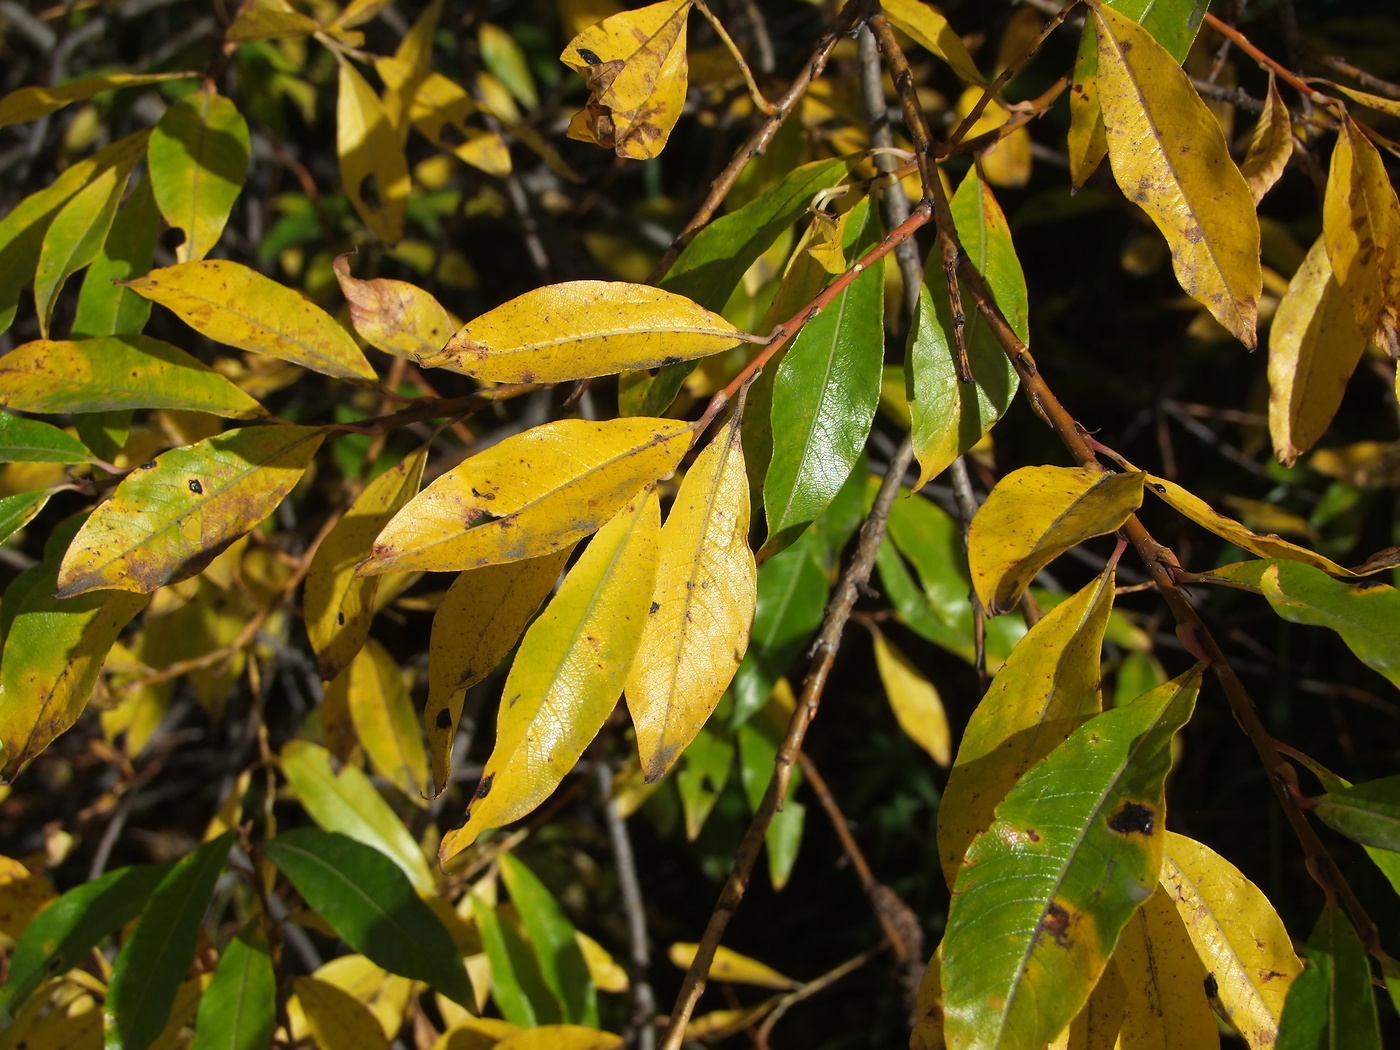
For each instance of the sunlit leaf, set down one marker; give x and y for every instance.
(701, 775)
(928, 28)
(336, 1018)
(19, 510)
(560, 1037)
(268, 20)
(384, 718)
(1167, 1003)
(517, 987)
(729, 965)
(105, 307)
(552, 936)
(31, 103)
(916, 703)
(395, 316)
(373, 168)
(439, 108)
(1368, 813)
(1270, 147)
(1365, 615)
(30, 441)
(199, 160)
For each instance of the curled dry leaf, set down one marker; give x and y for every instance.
(394, 316)
(1269, 147)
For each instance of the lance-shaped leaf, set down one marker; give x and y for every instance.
(825, 394)
(439, 108)
(1075, 849)
(384, 718)
(373, 168)
(1167, 989)
(339, 605)
(1386, 860)
(1237, 935)
(568, 672)
(553, 937)
(700, 777)
(1096, 1027)
(1170, 156)
(560, 1037)
(1365, 616)
(516, 985)
(582, 329)
(532, 494)
(1269, 147)
(371, 904)
(105, 307)
(31, 103)
(239, 1008)
(931, 30)
(916, 703)
(729, 965)
(336, 1018)
(394, 316)
(482, 616)
(237, 306)
(1368, 813)
(1331, 1005)
(634, 65)
(698, 626)
(1035, 514)
(1314, 346)
(1361, 226)
(199, 160)
(1048, 687)
(111, 373)
(947, 416)
(19, 510)
(157, 955)
(268, 20)
(53, 650)
(170, 517)
(31, 441)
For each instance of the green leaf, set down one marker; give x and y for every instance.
(560, 959)
(199, 160)
(1075, 848)
(30, 441)
(157, 955)
(825, 395)
(31, 103)
(18, 510)
(105, 307)
(758, 741)
(61, 935)
(513, 969)
(1368, 813)
(239, 1008)
(371, 904)
(1331, 1005)
(1364, 615)
(110, 373)
(701, 776)
(1387, 861)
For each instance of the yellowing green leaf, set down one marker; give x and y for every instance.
(1361, 226)
(698, 627)
(1087, 142)
(105, 307)
(927, 26)
(269, 20)
(1365, 616)
(729, 965)
(569, 671)
(339, 605)
(30, 441)
(634, 65)
(171, 517)
(384, 718)
(1035, 514)
(1269, 147)
(31, 103)
(1314, 346)
(373, 168)
(580, 329)
(1096, 1027)
(1007, 162)
(338, 1020)
(915, 701)
(1164, 980)
(237, 306)
(560, 1037)
(531, 494)
(1170, 157)
(1048, 687)
(1237, 935)
(199, 160)
(394, 316)
(479, 621)
(359, 11)
(110, 373)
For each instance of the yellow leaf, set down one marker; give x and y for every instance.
(1035, 514)
(338, 1021)
(1314, 346)
(531, 494)
(338, 604)
(1269, 147)
(269, 20)
(720, 1024)
(1361, 225)
(603, 969)
(384, 718)
(927, 1033)
(1048, 688)
(1169, 155)
(23, 894)
(915, 701)
(730, 966)
(171, 517)
(31, 103)
(1389, 106)
(634, 65)
(412, 62)
(478, 623)
(1008, 163)
(1097, 1025)
(1087, 142)
(360, 11)
(706, 587)
(471, 1033)
(579, 329)
(434, 105)
(927, 26)
(386, 995)
(568, 673)
(1167, 1008)
(238, 306)
(373, 169)
(560, 1037)
(1365, 464)
(1237, 934)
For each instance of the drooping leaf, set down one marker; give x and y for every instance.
(384, 718)
(1035, 514)
(237, 306)
(336, 1018)
(701, 611)
(31, 103)
(171, 517)
(1075, 848)
(156, 956)
(1096, 1027)
(517, 987)
(1368, 813)
(199, 160)
(530, 495)
(394, 316)
(1166, 1002)
(729, 965)
(701, 776)
(1239, 938)
(1365, 616)
(1386, 860)
(552, 936)
(1314, 346)
(757, 746)
(105, 307)
(371, 904)
(19, 510)
(931, 30)
(569, 671)
(1048, 688)
(1270, 146)
(1331, 1005)
(373, 168)
(112, 373)
(825, 394)
(268, 20)
(338, 605)
(31, 441)
(1171, 158)
(239, 1008)
(581, 329)
(916, 703)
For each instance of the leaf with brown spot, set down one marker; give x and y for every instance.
(1269, 147)
(1166, 1004)
(373, 168)
(395, 316)
(385, 719)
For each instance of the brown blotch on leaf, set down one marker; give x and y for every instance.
(1056, 922)
(1212, 986)
(1132, 817)
(484, 788)
(444, 719)
(196, 487)
(340, 619)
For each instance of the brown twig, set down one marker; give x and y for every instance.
(757, 96)
(1284, 73)
(810, 989)
(1365, 79)
(838, 611)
